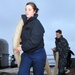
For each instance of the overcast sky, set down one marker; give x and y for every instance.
(53, 14)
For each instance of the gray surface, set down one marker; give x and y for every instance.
(9, 70)
(3, 46)
(4, 55)
(15, 71)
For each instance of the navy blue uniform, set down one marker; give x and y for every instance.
(32, 34)
(34, 54)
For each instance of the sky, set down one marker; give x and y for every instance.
(53, 14)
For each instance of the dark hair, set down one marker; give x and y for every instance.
(59, 31)
(34, 6)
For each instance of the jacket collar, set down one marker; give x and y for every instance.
(31, 18)
(59, 38)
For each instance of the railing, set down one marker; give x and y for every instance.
(51, 60)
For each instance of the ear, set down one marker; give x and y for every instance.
(34, 11)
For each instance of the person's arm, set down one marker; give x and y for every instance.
(58, 47)
(35, 38)
(54, 49)
(65, 47)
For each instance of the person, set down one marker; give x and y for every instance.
(62, 47)
(32, 42)
(69, 58)
(13, 62)
(68, 65)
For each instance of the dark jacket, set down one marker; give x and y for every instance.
(62, 46)
(32, 34)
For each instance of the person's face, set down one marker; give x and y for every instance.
(58, 35)
(29, 11)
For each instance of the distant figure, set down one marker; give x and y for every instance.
(69, 58)
(62, 47)
(13, 64)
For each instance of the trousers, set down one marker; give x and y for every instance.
(36, 60)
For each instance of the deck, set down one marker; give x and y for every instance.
(13, 71)
(72, 71)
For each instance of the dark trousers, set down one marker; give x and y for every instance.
(61, 66)
(61, 71)
(68, 63)
(36, 60)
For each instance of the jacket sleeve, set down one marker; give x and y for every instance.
(35, 38)
(65, 47)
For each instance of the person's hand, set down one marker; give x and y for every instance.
(53, 49)
(17, 49)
